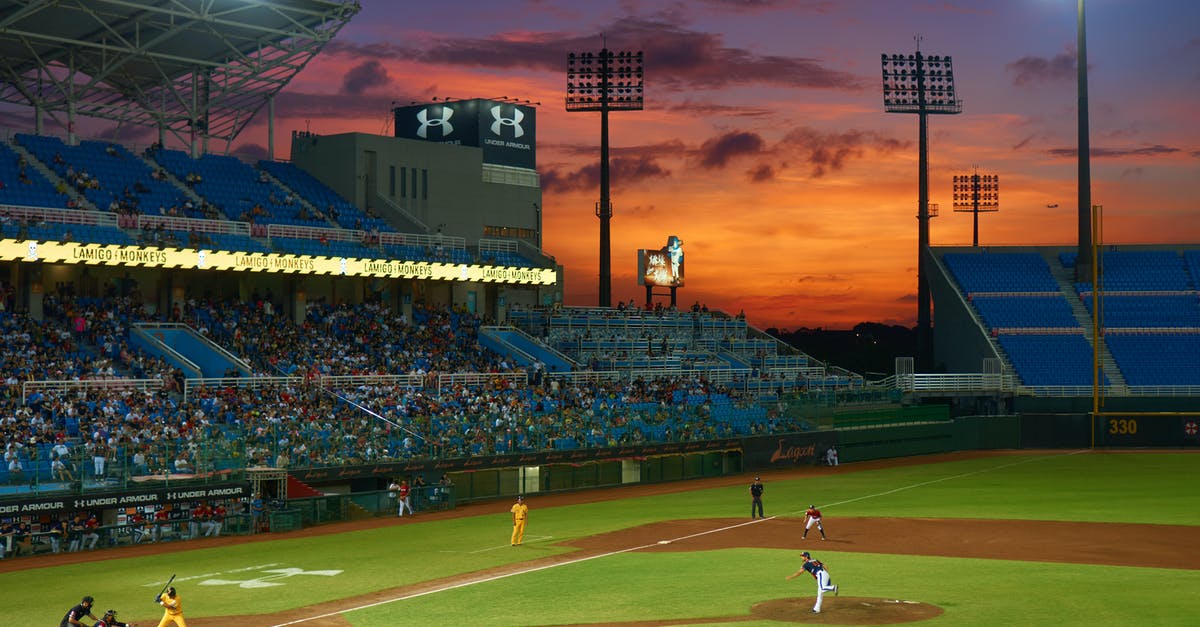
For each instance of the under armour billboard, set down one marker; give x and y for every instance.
(505, 131)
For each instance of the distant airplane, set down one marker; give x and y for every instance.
(1052, 206)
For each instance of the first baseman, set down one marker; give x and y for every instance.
(813, 516)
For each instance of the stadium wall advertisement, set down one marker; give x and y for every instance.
(787, 451)
(506, 132)
(118, 499)
(192, 259)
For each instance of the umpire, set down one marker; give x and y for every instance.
(76, 613)
(756, 490)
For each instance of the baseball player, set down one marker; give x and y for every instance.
(812, 516)
(172, 608)
(756, 490)
(403, 495)
(110, 620)
(519, 512)
(76, 613)
(818, 571)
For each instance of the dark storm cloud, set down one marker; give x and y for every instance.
(1031, 70)
(822, 152)
(1103, 153)
(364, 76)
(826, 152)
(716, 152)
(761, 174)
(626, 170)
(676, 57)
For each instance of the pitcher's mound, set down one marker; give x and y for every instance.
(846, 611)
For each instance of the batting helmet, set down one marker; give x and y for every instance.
(171, 591)
(805, 554)
(108, 613)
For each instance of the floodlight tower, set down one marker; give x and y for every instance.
(604, 81)
(976, 193)
(1083, 261)
(923, 85)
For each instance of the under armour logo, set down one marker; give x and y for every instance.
(514, 121)
(443, 122)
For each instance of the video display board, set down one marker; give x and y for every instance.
(662, 267)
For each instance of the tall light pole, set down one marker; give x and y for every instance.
(922, 85)
(1083, 262)
(607, 81)
(976, 193)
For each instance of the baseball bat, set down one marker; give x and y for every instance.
(168, 585)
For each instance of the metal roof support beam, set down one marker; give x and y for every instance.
(140, 62)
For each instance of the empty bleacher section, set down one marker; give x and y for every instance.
(648, 342)
(109, 176)
(22, 184)
(238, 190)
(1150, 322)
(1022, 306)
(319, 195)
(1151, 314)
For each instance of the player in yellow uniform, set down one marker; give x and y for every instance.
(173, 607)
(519, 512)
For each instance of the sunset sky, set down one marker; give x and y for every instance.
(764, 144)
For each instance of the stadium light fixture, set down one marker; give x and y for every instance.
(976, 193)
(605, 81)
(924, 85)
(1084, 259)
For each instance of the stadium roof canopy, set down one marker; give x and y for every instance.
(178, 65)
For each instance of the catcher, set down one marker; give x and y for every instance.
(173, 608)
(110, 620)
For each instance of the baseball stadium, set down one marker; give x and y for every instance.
(324, 390)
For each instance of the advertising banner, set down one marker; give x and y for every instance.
(95, 501)
(505, 131)
(192, 259)
(787, 451)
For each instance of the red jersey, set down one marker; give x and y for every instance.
(813, 512)
(404, 490)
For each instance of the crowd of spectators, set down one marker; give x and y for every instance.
(99, 432)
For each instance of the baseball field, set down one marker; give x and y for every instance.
(1003, 538)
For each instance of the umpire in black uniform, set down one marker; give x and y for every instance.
(756, 490)
(75, 615)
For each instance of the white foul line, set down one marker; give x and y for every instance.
(503, 546)
(644, 546)
(506, 575)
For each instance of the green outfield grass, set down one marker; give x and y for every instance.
(1126, 487)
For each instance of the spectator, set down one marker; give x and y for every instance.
(60, 471)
